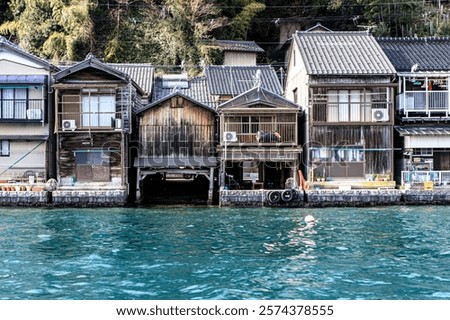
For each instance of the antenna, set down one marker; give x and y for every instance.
(415, 67)
(257, 79)
(367, 28)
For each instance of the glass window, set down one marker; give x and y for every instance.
(338, 154)
(13, 103)
(355, 105)
(98, 110)
(20, 103)
(7, 103)
(333, 104)
(92, 158)
(4, 148)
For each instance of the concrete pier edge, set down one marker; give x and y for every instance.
(237, 198)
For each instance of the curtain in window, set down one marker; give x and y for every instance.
(333, 111)
(20, 103)
(8, 103)
(367, 107)
(355, 105)
(98, 111)
(343, 105)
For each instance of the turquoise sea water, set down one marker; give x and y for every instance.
(217, 253)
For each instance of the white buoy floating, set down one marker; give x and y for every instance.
(309, 219)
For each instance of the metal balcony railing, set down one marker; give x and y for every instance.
(22, 109)
(425, 102)
(263, 133)
(439, 178)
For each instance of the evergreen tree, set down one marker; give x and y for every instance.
(241, 20)
(178, 30)
(55, 29)
(173, 32)
(398, 18)
(120, 28)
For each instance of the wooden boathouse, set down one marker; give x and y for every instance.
(346, 80)
(177, 140)
(95, 107)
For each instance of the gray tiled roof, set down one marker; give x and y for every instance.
(90, 62)
(234, 80)
(259, 96)
(342, 53)
(176, 94)
(196, 90)
(431, 54)
(141, 73)
(233, 45)
(6, 43)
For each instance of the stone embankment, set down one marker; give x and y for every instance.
(64, 198)
(24, 198)
(89, 198)
(333, 198)
(237, 198)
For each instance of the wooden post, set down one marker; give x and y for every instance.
(211, 186)
(138, 183)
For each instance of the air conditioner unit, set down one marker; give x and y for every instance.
(229, 136)
(380, 115)
(68, 125)
(118, 124)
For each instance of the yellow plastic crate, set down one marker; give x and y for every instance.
(428, 185)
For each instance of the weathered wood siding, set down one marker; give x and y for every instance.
(441, 159)
(177, 128)
(377, 143)
(127, 102)
(71, 142)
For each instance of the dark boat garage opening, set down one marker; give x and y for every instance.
(164, 188)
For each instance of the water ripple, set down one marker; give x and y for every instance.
(228, 253)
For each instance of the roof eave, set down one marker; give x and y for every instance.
(174, 94)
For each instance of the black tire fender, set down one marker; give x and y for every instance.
(287, 195)
(295, 194)
(274, 197)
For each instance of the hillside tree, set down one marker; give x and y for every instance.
(55, 29)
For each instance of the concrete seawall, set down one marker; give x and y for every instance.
(258, 198)
(352, 198)
(84, 198)
(78, 198)
(237, 198)
(336, 198)
(426, 197)
(24, 198)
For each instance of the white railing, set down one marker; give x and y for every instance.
(424, 102)
(439, 178)
(287, 132)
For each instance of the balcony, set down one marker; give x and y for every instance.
(424, 103)
(22, 110)
(269, 133)
(439, 178)
(86, 121)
